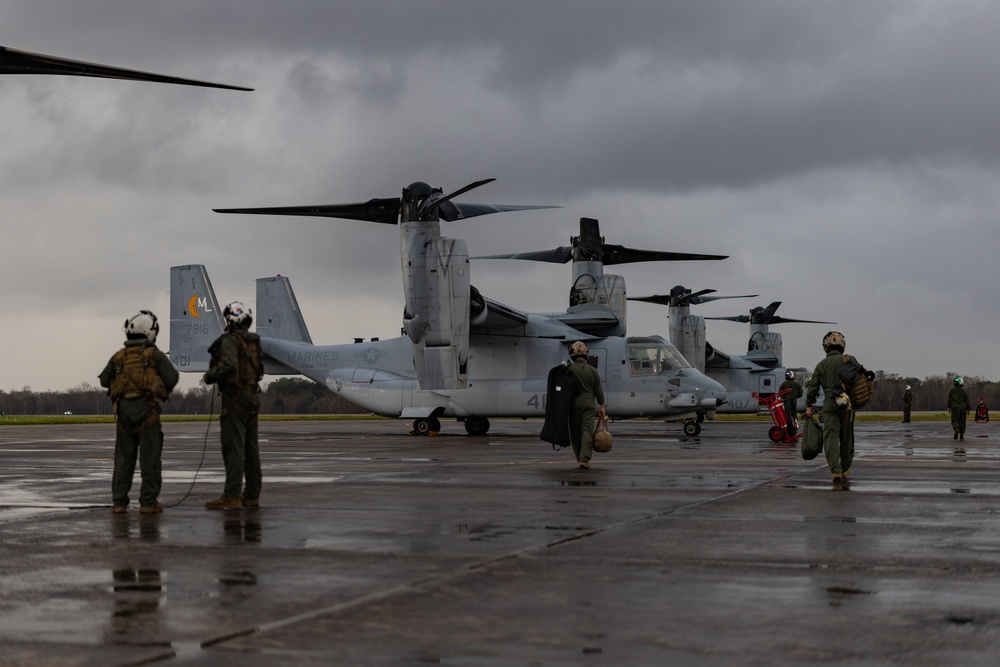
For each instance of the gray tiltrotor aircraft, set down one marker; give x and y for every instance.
(13, 61)
(463, 355)
(760, 370)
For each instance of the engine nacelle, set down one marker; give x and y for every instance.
(437, 312)
(687, 332)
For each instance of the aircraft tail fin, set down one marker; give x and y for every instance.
(195, 317)
(278, 314)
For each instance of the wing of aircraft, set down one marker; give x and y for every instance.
(13, 61)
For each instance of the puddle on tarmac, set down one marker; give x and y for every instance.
(919, 488)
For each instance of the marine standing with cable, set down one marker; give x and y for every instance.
(583, 416)
(138, 377)
(237, 368)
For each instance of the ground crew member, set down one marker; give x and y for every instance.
(138, 378)
(583, 418)
(237, 368)
(838, 421)
(790, 400)
(907, 403)
(958, 406)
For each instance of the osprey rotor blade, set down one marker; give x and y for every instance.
(762, 315)
(559, 255)
(617, 254)
(385, 211)
(682, 296)
(13, 61)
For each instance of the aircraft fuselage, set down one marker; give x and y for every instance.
(642, 377)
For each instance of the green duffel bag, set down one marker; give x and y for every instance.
(812, 437)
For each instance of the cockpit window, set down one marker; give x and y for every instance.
(654, 359)
(673, 359)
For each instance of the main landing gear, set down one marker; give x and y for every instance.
(477, 425)
(432, 426)
(426, 426)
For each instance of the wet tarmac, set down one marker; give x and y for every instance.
(372, 547)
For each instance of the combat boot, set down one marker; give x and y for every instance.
(251, 502)
(155, 508)
(224, 503)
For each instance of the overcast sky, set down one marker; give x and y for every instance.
(845, 155)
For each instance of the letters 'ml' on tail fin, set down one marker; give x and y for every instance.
(195, 317)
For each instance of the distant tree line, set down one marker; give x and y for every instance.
(296, 396)
(929, 394)
(283, 396)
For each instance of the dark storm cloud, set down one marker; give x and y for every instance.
(754, 129)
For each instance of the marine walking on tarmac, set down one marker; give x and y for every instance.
(138, 377)
(907, 404)
(237, 368)
(583, 416)
(838, 413)
(958, 406)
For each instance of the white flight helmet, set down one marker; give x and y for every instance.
(789, 375)
(237, 315)
(142, 323)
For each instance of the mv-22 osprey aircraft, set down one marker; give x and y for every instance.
(463, 355)
(760, 370)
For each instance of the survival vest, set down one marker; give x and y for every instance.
(249, 368)
(857, 382)
(136, 374)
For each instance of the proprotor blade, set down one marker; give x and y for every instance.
(616, 254)
(13, 61)
(559, 255)
(385, 211)
(762, 315)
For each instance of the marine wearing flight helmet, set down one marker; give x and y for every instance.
(958, 406)
(138, 378)
(237, 368)
(838, 416)
(583, 417)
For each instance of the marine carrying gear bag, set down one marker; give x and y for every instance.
(561, 388)
(812, 437)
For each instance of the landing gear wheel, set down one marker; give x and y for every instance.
(435, 424)
(692, 428)
(422, 426)
(477, 425)
(775, 433)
